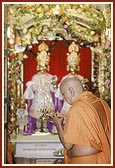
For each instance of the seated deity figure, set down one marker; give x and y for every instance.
(40, 94)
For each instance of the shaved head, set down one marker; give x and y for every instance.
(72, 85)
(72, 81)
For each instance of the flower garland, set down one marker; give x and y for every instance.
(106, 59)
(80, 20)
(13, 80)
(102, 72)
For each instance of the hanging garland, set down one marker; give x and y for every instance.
(13, 79)
(81, 21)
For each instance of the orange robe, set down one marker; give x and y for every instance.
(88, 124)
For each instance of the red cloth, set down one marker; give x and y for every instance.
(58, 63)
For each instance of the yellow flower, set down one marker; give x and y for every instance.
(94, 15)
(39, 10)
(108, 24)
(46, 7)
(92, 32)
(67, 6)
(68, 14)
(41, 15)
(24, 30)
(79, 10)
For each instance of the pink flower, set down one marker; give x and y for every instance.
(16, 46)
(19, 62)
(65, 26)
(109, 67)
(94, 85)
(30, 46)
(81, 43)
(107, 44)
(107, 82)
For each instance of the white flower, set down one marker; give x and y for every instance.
(19, 81)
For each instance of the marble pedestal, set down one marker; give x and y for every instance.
(37, 149)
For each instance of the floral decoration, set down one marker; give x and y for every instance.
(102, 72)
(106, 59)
(80, 20)
(13, 79)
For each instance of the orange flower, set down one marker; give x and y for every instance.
(61, 11)
(64, 18)
(90, 9)
(51, 12)
(31, 7)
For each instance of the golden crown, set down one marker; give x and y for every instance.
(43, 57)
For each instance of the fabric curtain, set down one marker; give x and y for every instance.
(58, 64)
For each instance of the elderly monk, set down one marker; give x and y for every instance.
(86, 134)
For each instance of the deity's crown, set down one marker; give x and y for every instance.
(73, 47)
(43, 57)
(43, 46)
(73, 58)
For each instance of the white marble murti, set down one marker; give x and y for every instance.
(38, 89)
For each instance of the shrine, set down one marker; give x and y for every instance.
(44, 43)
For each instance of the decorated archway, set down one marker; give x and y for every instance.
(88, 25)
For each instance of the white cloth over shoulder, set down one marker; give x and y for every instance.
(28, 94)
(38, 89)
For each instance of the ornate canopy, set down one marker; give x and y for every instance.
(83, 22)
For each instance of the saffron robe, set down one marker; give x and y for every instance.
(88, 124)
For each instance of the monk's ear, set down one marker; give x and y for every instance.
(72, 92)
